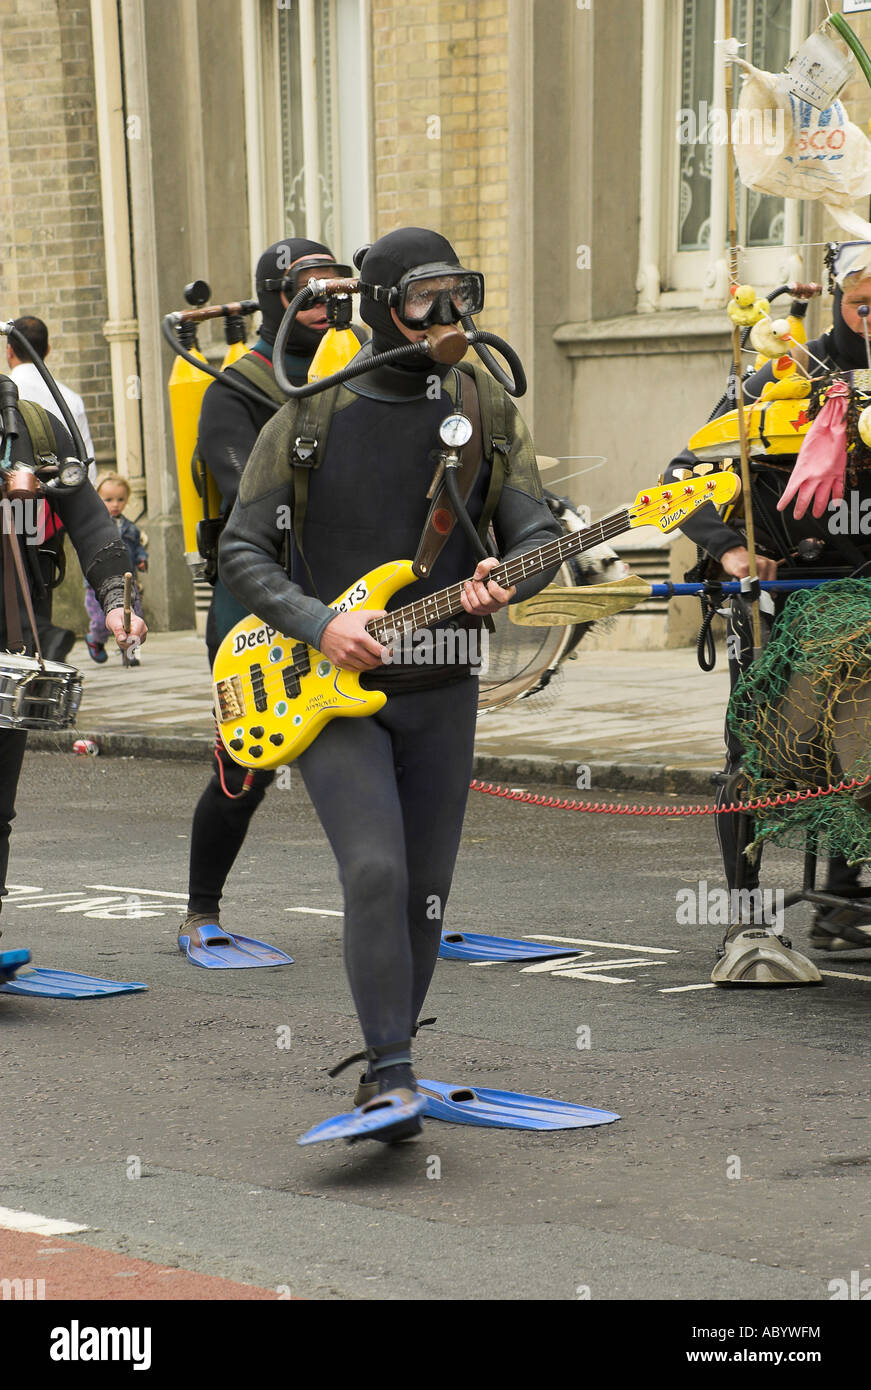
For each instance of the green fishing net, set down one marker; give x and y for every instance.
(802, 712)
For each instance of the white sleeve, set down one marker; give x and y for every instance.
(82, 422)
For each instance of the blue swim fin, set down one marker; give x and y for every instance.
(469, 946)
(394, 1110)
(10, 961)
(467, 1105)
(222, 950)
(59, 984)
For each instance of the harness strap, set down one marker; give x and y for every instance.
(260, 374)
(442, 518)
(314, 414)
(382, 1053)
(38, 427)
(497, 442)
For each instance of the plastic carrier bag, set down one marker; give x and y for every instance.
(788, 148)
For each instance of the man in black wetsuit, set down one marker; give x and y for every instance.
(104, 561)
(390, 790)
(229, 425)
(796, 532)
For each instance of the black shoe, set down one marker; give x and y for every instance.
(56, 643)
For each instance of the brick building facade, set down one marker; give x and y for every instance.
(440, 106)
(146, 143)
(52, 254)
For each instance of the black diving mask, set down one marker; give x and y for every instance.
(431, 294)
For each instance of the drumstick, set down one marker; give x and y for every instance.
(128, 598)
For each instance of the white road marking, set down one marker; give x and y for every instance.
(146, 892)
(614, 945)
(317, 911)
(547, 967)
(586, 972)
(125, 904)
(88, 904)
(681, 989)
(37, 1225)
(840, 974)
(579, 968)
(49, 900)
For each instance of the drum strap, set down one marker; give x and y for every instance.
(12, 553)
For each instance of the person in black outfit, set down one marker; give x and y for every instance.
(104, 561)
(390, 790)
(229, 426)
(787, 536)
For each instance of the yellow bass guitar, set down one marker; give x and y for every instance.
(273, 695)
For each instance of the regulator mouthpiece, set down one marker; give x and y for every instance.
(447, 344)
(21, 482)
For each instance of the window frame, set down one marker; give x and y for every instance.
(668, 278)
(264, 125)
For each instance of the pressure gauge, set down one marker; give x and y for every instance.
(72, 473)
(455, 431)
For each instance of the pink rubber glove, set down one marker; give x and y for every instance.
(818, 475)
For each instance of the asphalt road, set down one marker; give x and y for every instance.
(739, 1168)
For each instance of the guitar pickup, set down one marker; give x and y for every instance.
(301, 659)
(229, 698)
(258, 685)
(292, 683)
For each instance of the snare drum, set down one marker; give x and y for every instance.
(37, 696)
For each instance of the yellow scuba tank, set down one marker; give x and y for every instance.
(199, 497)
(187, 386)
(233, 353)
(339, 344)
(334, 352)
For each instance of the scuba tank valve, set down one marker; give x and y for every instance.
(191, 375)
(339, 344)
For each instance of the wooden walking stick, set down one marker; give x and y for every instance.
(128, 600)
(736, 355)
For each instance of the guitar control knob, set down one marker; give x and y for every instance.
(257, 731)
(255, 751)
(277, 739)
(237, 744)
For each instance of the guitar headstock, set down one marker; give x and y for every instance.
(668, 505)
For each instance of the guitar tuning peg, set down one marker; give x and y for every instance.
(702, 468)
(681, 474)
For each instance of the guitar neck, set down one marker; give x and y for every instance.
(448, 602)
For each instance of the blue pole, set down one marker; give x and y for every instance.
(734, 587)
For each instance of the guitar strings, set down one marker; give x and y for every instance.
(564, 547)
